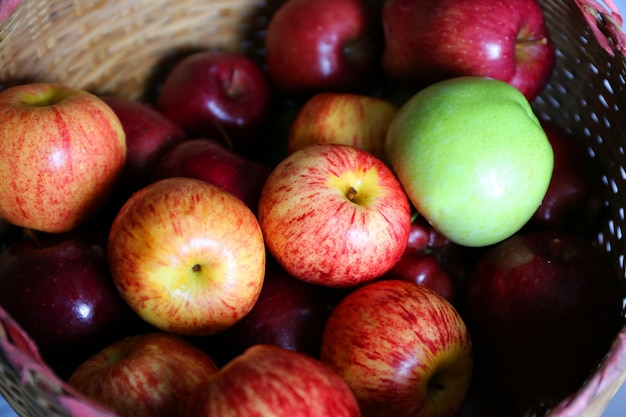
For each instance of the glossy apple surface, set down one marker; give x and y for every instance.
(543, 308)
(334, 215)
(314, 46)
(144, 375)
(472, 157)
(221, 95)
(349, 119)
(272, 381)
(402, 349)
(428, 41)
(62, 152)
(210, 161)
(59, 289)
(149, 134)
(187, 256)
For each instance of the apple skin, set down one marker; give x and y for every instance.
(289, 313)
(64, 150)
(574, 197)
(274, 382)
(210, 161)
(149, 134)
(59, 289)
(222, 95)
(472, 157)
(144, 375)
(320, 232)
(187, 256)
(432, 40)
(349, 119)
(402, 349)
(315, 46)
(543, 308)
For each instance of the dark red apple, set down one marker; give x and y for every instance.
(574, 197)
(222, 95)
(324, 45)
(210, 161)
(289, 313)
(543, 308)
(59, 289)
(148, 135)
(429, 40)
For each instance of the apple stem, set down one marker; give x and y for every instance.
(225, 137)
(196, 268)
(352, 192)
(528, 42)
(30, 233)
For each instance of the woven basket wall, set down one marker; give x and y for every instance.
(112, 47)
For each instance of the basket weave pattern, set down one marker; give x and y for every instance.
(112, 47)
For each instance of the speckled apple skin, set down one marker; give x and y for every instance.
(320, 236)
(187, 256)
(62, 151)
(472, 157)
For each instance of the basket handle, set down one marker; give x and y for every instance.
(605, 22)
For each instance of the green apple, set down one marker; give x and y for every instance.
(472, 157)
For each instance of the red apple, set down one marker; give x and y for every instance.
(187, 256)
(401, 348)
(210, 161)
(62, 151)
(149, 134)
(334, 215)
(219, 95)
(574, 197)
(59, 289)
(144, 375)
(272, 381)
(349, 119)
(289, 313)
(430, 40)
(315, 46)
(543, 308)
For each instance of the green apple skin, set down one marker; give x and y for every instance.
(472, 157)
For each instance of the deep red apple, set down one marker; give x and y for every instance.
(315, 46)
(574, 197)
(543, 308)
(59, 289)
(429, 40)
(221, 95)
(289, 313)
(271, 381)
(210, 161)
(148, 135)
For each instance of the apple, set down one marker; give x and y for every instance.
(7, 7)
(272, 381)
(432, 40)
(289, 313)
(402, 349)
(349, 119)
(187, 256)
(472, 157)
(210, 161)
(315, 46)
(149, 134)
(59, 289)
(543, 308)
(62, 152)
(334, 215)
(574, 197)
(424, 269)
(221, 95)
(144, 375)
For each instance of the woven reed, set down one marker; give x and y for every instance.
(113, 47)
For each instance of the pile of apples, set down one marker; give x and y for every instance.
(369, 221)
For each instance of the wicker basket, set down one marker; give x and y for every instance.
(112, 47)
